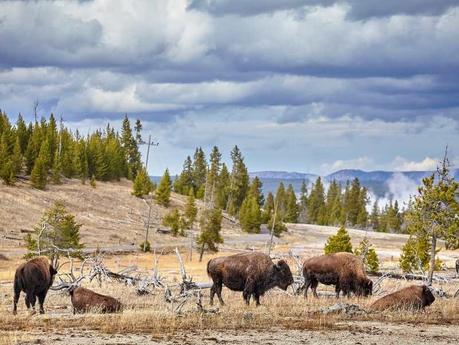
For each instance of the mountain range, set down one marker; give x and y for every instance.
(378, 182)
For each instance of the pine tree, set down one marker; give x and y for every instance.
(434, 210)
(56, 169)
(316, 203)
(142, 184)
(16, 159)
(39, 174)
(212, 182)
(191, 211)
(163, 191)
(6, 163)
(250, 215)
(209, 237)
(341, 242)
(184, 183)
(374, 217)
(57, 227)
(223, 189)
(291, 207)
(175, 222)
(268, 208)
(368, 255)
(280, 201)
(130, 149)
(255, 189)
(199, 172)
(332, 214)
(303, 208)
(279, 227)
(239, 182)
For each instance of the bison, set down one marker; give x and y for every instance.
(344, 270)
(252, 273)
(413, 297)
(34, 278)
(84, 300)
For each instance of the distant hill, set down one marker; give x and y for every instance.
(376, 181)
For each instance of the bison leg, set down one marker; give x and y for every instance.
(337, 290)
(33, 300)
(41, 301)
(212, 293)
(15, 301)
(256, 296)
(314, 285)
(218, 289)
(307, 284)
(248, 290)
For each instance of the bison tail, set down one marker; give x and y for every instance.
(208, 267)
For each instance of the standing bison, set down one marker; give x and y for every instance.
(84, 300)
(34, 278)
(413, 297)
(252, 273)
(344, 270)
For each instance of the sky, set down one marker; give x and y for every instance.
(309, 86)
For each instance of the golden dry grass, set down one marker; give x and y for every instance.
(151, 314)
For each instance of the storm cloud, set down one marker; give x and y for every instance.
(319, 83)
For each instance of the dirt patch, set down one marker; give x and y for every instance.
(355, 333)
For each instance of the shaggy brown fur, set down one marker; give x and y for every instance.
(252, 273)
(34, 278)
(344, 270)
(413, 297)
(84, 300)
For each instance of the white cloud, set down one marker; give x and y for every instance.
(363, 163)
(427, 164)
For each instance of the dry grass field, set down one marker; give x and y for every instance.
(282, 318)
(113, 219)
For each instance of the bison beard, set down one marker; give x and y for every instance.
(344, 270)
(34, 278)
(84, 300)
(412, 297)
(251, 273)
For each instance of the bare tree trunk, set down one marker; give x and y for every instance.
(201, 254)
(432, 259)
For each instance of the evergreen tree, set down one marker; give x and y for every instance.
(212, 183)
(56, 169)
(415, 254)
(291, 207)
(239, 182)
(255, 189)
(16, 159)
(279, 227)
(57, 227)
(163, 191)
(332, 212)
(223, 189)
(280, 202)
(191, 211)
(316, 203)
(175, 222)
(6, 163)
(374, 217)
(268, 208)
(250, 215)
(142, 184)
(209, 237)
(184, 183)
(22, 134)
(199, 172)
(38, 177)
(130, 149)
(368, 255)
(434, 210)
(341, 242)
(303, 208)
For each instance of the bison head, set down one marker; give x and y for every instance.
(427, 296)
(282, 275)
(364, 288)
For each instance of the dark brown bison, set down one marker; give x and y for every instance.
(413, 297)
(34, 278)
(252, 273)
(84, 300)
(344, 270)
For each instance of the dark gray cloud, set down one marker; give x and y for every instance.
(319, 76)
(358, 9)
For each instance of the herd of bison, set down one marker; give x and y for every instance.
(252, 273)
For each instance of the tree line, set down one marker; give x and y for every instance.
(45, 151)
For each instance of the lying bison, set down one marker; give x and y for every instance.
(84, 300)
(344, 270)
(34, 278)
(252, 273)
(413, 297)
